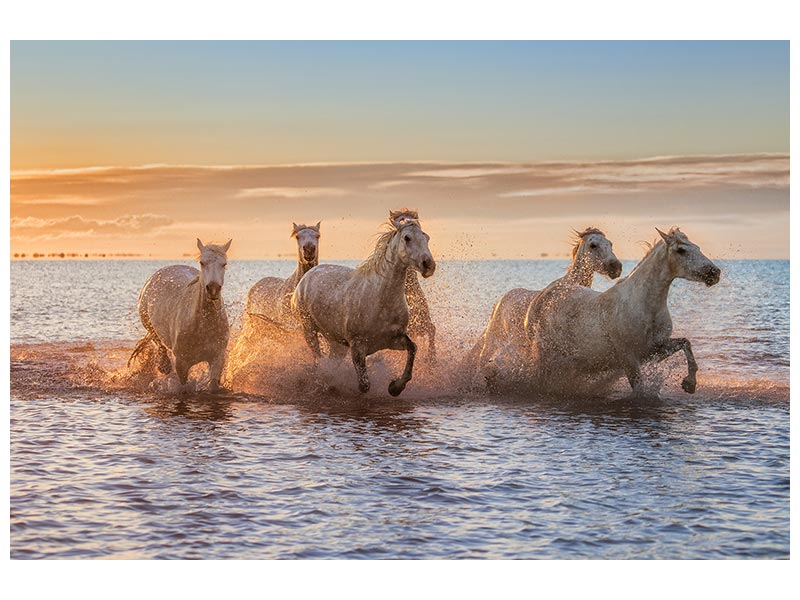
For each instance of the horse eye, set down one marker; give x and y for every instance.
(681, 250)
(592, 245)
(408, 238)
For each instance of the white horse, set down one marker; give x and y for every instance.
(181, 308)
(270, 298)
(592, 253)
(588, 333)
(419, 313)
(365, 308)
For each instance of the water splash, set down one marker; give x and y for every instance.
(281, 368)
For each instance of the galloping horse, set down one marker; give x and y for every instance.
(365, 308)
(270, 298)
(616, 331)
(591, 253)
(181, 308)
(419, 313)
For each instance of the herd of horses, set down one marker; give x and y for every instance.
(548, 336)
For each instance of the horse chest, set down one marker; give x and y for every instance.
(203, 337)
(645, 334)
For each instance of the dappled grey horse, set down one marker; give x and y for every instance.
(365, 308)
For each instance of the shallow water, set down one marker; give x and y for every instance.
(103, 466)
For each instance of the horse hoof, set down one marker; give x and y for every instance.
(396, 387)
(689, 386)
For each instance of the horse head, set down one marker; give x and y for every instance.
(307, 242)
(213, 260)
(685, 259)
(411, 246)
(593, 252)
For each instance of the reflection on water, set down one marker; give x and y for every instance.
(100, 476)
(105, 465)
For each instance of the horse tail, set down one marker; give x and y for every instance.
(141, 345)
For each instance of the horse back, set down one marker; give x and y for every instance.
(265, 296)
(161, 298)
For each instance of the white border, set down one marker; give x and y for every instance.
(413, 19)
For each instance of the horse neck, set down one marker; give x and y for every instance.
(392, 276)
(579, 272)
(302, 268)
(649, 283)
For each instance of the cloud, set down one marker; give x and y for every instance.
(289, 192)
(33, 228)
(256, 203)
(61, 200)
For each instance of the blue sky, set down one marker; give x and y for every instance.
(88, 103)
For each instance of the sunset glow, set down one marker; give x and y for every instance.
(504, 148)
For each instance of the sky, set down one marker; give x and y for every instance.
(139, 147)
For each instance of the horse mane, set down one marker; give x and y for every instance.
(376, 261)
(578, 238)
(652, 247)
(298, 228)
(218, 249)
(403, 214)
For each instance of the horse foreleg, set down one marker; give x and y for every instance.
(182, 369)
(360, 363)
(407, 344)
(633, 371)
(670, 347)
(215, 372)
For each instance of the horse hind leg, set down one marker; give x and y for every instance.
(336, 351)
(310, 334)
(163, 363)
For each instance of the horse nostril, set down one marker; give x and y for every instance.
(712, 274)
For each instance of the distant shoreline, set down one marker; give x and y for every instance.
(142, 257)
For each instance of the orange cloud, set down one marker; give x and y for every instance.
(471, 209)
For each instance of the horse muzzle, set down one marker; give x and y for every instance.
(213, 290)
(614, 269)
(309, 253)
(427, 267)
(711, 275)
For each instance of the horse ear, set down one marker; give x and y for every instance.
(318, 224)
(200, 245)
(228, 245)
(295, 229)
(665, 236)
